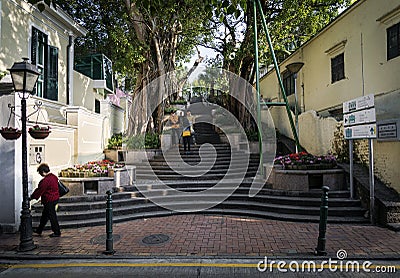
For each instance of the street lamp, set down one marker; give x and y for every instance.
(295, 68)
(24, 76)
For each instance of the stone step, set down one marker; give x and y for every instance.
(169, 176)
(138, 205)
(243, 194)
(194, 170)
(184, 165)
(245, 184)
(193, 155)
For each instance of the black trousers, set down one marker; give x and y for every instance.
(49, 213)
(186, 142)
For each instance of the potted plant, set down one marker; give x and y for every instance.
(38, 132)
(10, 133)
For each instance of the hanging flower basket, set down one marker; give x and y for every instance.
(10, 133)
(38, 132)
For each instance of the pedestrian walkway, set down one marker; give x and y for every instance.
(215, 236)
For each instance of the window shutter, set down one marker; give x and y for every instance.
(34, 45)
(52, 73)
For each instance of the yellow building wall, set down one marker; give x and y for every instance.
(359, 33)
(16, 32)
(83, 91)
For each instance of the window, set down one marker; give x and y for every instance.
(97, 106)
(337, 68)
(45, 57)
(393, 41)
(288, 83)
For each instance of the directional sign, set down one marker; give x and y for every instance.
(388, 131)
(359, 117)
(357, 104)
(360, 131)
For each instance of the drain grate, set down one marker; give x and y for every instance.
(155, 239)
(102, 239)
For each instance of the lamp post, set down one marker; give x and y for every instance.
(295, 68)
(24, 76)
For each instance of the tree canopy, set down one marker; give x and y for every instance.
(146, 39)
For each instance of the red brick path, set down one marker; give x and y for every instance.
(214, 235)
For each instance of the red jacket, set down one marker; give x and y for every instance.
(48, 189)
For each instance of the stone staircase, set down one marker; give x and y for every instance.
(212, 171)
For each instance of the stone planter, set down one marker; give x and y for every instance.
(304, 180)
(125, 176)
(88, 186)
(137, 156)
(114, 155)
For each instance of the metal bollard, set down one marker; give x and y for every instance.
(109, 225)
(323, 219)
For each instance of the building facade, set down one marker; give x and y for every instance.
(357, 54)
(74, 105)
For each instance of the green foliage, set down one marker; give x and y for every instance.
(179, 102)
(152, 141)
(2, 74)
(340, 146)
(115, 141)
(169, 110)
(141, 141)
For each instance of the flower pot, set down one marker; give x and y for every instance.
(39, 134)
(11, 134)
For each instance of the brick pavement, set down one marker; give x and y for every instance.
(216, 235)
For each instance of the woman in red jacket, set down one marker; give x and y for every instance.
(48, 192)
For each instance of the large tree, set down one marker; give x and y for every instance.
(143, 38)
(147, 38)
(290, 24)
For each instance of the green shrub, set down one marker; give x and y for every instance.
(179, 102)
(152, 141)
(141, 141)
(169, 110)
(115, 141)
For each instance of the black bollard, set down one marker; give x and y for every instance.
(109, 225)
(323, 219)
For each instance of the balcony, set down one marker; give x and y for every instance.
(99, 68)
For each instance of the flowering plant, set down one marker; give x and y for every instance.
(92, 169)
(39, 128)
(304, 158)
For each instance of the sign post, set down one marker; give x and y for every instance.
(359, 121)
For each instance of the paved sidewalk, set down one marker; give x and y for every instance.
(213, 236)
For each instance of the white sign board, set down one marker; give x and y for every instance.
(359, 117)
(360, 103)
(360, 131)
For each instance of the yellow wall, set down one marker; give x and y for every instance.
(83, 91)
(366, 67)
(18, 18)
(359, 33)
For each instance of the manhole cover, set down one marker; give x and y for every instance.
(155, 239)
(102, 239)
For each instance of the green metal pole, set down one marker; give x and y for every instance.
(323, 219)
(257, 86)
(296, 138)
(109, 225)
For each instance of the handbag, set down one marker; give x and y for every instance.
(62, 189)
(186, 133)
